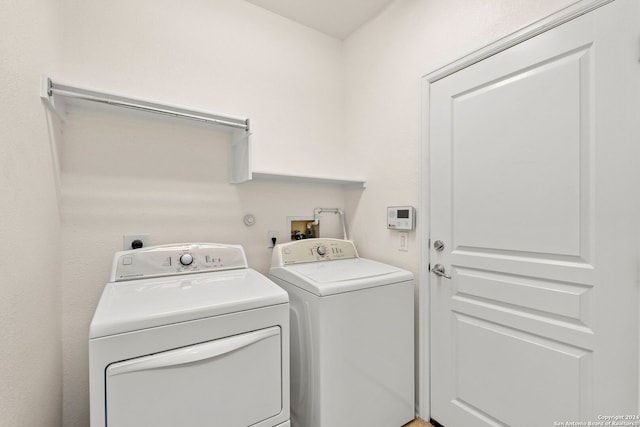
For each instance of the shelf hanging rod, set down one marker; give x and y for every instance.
(119, 101)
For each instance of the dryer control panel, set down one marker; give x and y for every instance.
(169, 260)
(312, 250)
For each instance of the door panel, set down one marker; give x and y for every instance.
(515, 393)
(534, 195)
(556, 299)
(539, 142)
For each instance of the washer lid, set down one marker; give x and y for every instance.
(333, 277)
(147, 303)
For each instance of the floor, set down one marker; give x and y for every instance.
(418, 423)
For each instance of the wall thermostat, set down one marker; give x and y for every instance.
(401, 217)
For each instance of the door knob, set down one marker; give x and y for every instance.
(439, 270)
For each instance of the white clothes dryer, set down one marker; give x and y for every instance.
(352, 335)
(187, 335)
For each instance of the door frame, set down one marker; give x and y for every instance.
(424, 303)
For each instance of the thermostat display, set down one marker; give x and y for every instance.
(401, 217)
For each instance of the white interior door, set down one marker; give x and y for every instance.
(534, 176)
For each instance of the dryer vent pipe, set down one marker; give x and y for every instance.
(318, 211)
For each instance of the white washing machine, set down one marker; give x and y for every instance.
(352, 335)
(187, 335)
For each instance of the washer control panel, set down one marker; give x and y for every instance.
(312, 250)
(169, 260)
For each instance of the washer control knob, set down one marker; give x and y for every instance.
(322, 250)
(186, 259)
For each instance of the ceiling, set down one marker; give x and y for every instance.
(337, 18)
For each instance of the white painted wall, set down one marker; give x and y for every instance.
(125, 172)
(224, 56)
(30, 352)
(384, 62)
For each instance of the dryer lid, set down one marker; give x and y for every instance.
(147, 303)
(333, 277)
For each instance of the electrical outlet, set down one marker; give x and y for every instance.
(270, 235)
(128, 240)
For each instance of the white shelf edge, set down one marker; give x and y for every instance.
(53, 94)
(271, 176)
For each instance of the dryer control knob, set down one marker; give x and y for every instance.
(322, 250)
(186, 259)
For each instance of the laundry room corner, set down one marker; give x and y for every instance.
(98, 211)
(129, 172)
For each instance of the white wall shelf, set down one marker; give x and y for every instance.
(51, 92)
(56, 95)
(346, 182)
